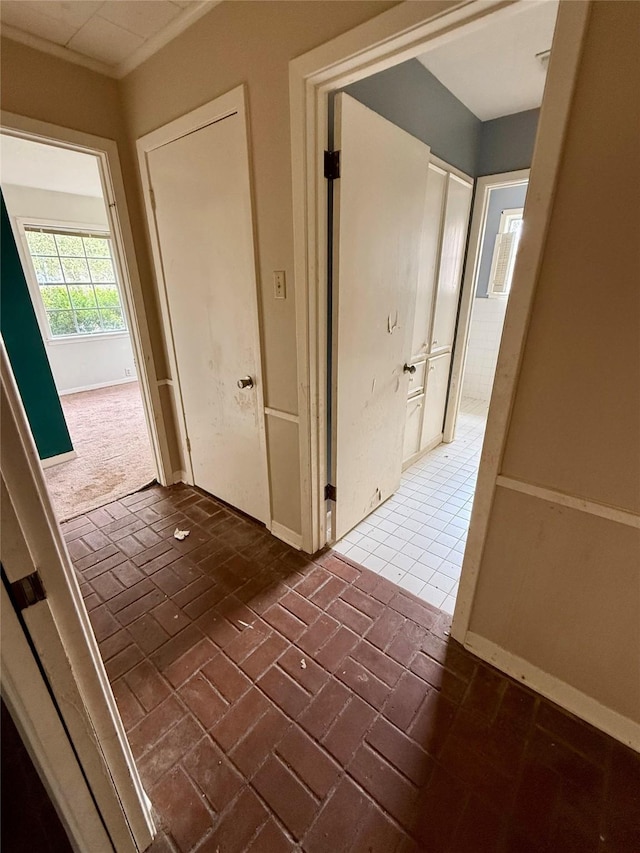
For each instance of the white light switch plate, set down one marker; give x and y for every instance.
(279, 285)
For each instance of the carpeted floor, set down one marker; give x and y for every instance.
(109, 434)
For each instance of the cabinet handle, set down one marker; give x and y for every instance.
(409, 368)
(434, 343)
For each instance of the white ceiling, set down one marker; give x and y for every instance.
(493, 70)
(110, 36)
(33, 164)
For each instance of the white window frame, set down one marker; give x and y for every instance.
(506, 217)
(22, 224)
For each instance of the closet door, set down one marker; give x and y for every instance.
(453, 245)
(435, 399)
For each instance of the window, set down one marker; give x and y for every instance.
(77, 281)
(505, 251)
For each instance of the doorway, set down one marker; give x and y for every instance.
(71, 330)
(415, 534)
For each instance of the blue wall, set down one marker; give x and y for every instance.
(26, 352)
(506, 144)
(413, 99)
(501, 199)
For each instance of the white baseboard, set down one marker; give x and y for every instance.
(611, 722)
(57, 460)
(98, 385)
(289, 536)
(180, 477)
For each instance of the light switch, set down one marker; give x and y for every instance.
(279, 285)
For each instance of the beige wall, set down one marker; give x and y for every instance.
(560, 587)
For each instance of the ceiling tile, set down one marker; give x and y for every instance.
(22, 16)
(104, 41)
(68, 11)
(143, 17)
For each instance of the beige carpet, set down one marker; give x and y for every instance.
(109, 435)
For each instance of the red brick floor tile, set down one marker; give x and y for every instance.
(188, 819)
(286, 796)
(310, 763)
(212, 772)
(203, 700)
(233, 833)
(390, 737)
(348, 730)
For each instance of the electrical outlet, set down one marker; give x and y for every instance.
(127, 371)
(279, 285)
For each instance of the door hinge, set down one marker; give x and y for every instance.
(28, 591)
(188, 444)
(329, 492)
(332, 165)
(152, 196)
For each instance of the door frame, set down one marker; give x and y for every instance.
(226, 105)
(402, 33)
(65, 649)
(475, 247)
(106, 153)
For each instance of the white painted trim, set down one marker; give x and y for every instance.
(98, 385)
(65, 53)
(147, 49)
(52, 461)
(621, 728)
(469, 286)
(232, 102)
(401, 33)
(61, 632)
(172, 30)
(611, 513)
(179, 477)
(568, 40)
(286, 535)
(29, 702)
(284, 416)
(106, 152)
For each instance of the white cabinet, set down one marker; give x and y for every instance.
(437, 382)
(446, 222)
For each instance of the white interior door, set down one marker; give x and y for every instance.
(201, 189)
(379, 203)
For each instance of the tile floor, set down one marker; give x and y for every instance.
(417, 537)
(278, 702)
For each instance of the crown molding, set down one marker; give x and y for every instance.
(146, 50)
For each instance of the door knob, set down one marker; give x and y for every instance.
(245, 382)
(409, 368)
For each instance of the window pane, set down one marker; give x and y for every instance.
(107, 296)
(112, 319)
(96, 247)
(88, 322)
(82, 296)
(68, 245)
(41, 244)
(75, 269)
(101, 269)
(62, 323)
(47, 270)
(55, 296)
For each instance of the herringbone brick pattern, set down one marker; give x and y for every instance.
(276, 702)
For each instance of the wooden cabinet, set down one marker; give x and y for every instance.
(446, 222)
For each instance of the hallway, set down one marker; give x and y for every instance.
(278, 702)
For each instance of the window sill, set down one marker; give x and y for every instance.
(83, 339)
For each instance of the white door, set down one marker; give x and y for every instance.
(379, 203)
(201, 191)
(437, 382)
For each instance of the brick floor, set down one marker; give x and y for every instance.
(276, 702)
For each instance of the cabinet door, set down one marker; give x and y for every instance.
(413, 427)
(437, 381)
(429, 258)
(454, 241)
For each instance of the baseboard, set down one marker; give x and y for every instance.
(289, 536)
(179, 477)
(588, 709)
(98, 385)
(59, 459)
(426, 449)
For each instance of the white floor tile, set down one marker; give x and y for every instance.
(417, 538)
